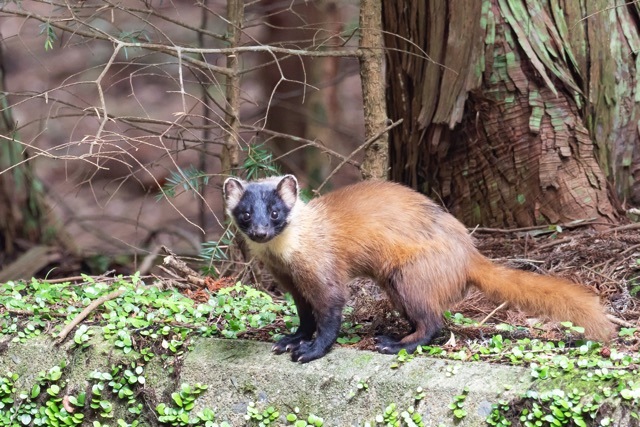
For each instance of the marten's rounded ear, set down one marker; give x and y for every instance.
(288, 190)
(233, 189)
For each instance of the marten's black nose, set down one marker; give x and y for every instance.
(259, 234)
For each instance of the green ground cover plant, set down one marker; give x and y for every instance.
(577, 383)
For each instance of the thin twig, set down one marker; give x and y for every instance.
(634, 226)
(620, 322)
(601, 11)
(84, 313)
(630, 249)
(553, 243)
(80, 278)
(495, 310)
(64, 279)
(354, 152)
(571, 224)
(604, 276)
(32, 313)
(305, 142)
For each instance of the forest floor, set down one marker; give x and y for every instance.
(608, 262)
(168, 311)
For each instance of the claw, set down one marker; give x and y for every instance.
(276, 349)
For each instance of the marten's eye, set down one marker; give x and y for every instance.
(245, 216)
(274, 215)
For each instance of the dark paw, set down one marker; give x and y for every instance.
(308, 351)
(388, 348)
(391, 346)
(384, 340)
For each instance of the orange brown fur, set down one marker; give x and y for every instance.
(549, 296)
(374, 227)
(419, 254)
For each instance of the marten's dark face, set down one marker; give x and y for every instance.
(260, 209)
(261, 214)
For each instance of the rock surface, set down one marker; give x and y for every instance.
(238, 372)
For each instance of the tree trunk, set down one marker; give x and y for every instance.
(500, 120)
(22, 209)
(17, 220)
(376, 160)
(612, 67)
(230, 157)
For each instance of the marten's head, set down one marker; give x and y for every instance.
(261, 208)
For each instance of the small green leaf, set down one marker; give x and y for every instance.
(35, 391)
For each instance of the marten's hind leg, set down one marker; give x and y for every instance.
(420, 303)
(426, 328)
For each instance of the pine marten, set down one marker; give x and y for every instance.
(419, 254)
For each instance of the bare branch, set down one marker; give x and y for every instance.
(84, 313)
(354, 152)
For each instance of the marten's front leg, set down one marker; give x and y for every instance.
(305, 330)
(327, 298)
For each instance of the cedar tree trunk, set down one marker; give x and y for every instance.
(515, 112)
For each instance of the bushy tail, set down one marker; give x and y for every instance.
(539, 295)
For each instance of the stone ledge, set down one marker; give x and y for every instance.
(238, 372)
